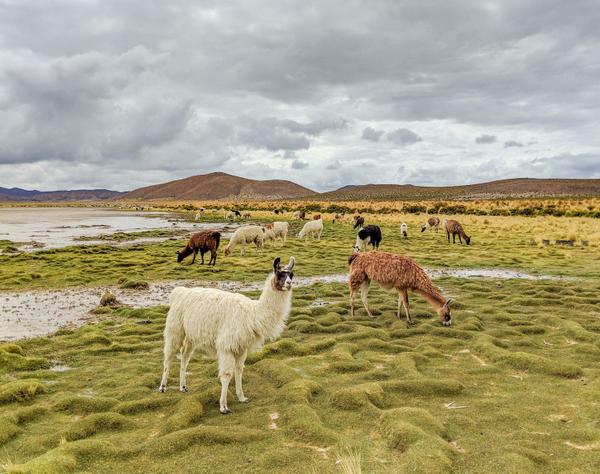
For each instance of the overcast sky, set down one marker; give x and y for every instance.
(121, 94)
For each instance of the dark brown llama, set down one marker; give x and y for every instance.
(202, 242)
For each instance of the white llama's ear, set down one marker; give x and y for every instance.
(290, 266)
(276, 264)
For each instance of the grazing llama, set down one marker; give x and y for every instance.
(226, 326)
(358, 222)
(432, 223)
(404, 230)
(277, 230)
(453, 227)
(397, 272)
(207, 241)
(249, 234)
(370, 234)
(314, 228)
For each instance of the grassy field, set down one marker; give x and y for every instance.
(498, 242)
(512, 386)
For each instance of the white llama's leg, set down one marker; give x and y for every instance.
(226, 371)
(169, 353)
(186, 354)
(239, 371)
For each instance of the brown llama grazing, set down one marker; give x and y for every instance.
(453, 227)
(358, 222)
(397, 272)
(202, 242)
(432, 223)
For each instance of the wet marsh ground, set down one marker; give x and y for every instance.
(512, 386)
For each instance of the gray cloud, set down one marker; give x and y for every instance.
(403, 136)
(371, 134)
(122, 94)
(299, 165)
(485, 139)
(513, 144)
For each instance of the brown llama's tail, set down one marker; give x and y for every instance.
(351, 258)
(217, 237)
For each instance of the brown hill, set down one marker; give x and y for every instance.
(220, 186)
(506, 188)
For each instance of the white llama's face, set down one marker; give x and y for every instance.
(283, 276)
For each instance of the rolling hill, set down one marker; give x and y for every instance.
(24, 195)
(506, 188)
(220, 186)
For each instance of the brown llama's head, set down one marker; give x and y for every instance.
(180, 256)
(467, 239)
(282, 276)
(444, 312)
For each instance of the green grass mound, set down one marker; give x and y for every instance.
(358, 396)
(425, 387)
(276, 372)
(97, 423)
(300, 391)
(303, 422)
(134, 285)
(187, 412)
(15, 361)
(416, 437)
(79, 405)
(20, 391)
(181, 440)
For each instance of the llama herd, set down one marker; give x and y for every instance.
(228, 325)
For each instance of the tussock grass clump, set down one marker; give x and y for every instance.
(188, 411)
(109, 299)
(302, 421)
(425, 386)
(145, 404)
(20, 391)
(15, 361)
(415, 436)
(276, 371)
(97, 423)
(355, 365)
(11, 348)
(134, 285)
(300, 391)
(76, 404)
(181, 440)
(9, 424)
(358, 396)
(535, 363)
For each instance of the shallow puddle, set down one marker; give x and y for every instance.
(55, 227)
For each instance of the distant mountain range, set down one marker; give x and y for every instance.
(23, 195)
(501, 189)
(214, 186)
(220, 186)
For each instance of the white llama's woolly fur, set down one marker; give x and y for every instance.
(246, 235)
(314, 228)
(224, 325)
(280, 230)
